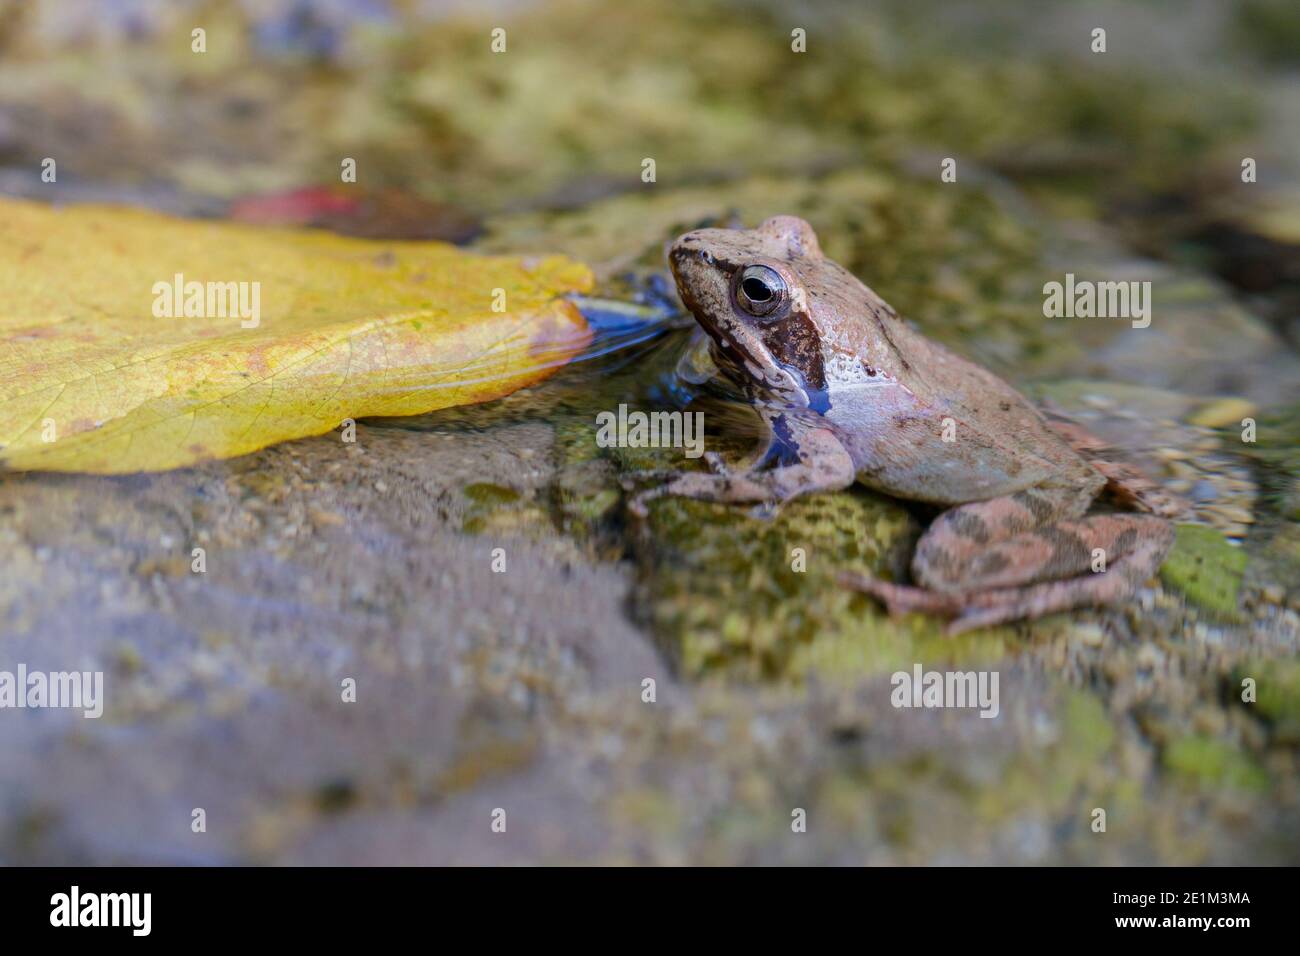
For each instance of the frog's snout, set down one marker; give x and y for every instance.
(674, 252)
(686, 247)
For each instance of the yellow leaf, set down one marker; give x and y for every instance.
(93, 378)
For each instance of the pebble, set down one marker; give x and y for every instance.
(1203, 491)
(1222, 412)
(1210, 720)
(1090, 634)
(1233, 513)
(1148, 656)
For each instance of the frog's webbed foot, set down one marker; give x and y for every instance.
(764, 510)
(726, 489)
(824, 465)
(668, 483)
(630, 479)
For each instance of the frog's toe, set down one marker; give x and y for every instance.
(717, 464)
(969, 622)
(630, 479)
(900, 599)
(639, 503)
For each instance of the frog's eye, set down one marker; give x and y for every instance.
(761, 290)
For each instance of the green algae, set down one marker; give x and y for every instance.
(1276, 453)
(488, 494)
(500, 509)
(1269, 29)
(881, 645)
(1210, 762)
(1277, 688)
(1206, 569)
(1059, 775)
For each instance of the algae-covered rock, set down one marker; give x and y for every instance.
(758, 598)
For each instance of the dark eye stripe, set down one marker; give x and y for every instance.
(794, 342)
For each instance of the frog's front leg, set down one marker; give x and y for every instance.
(823, 465)
(1025, 555)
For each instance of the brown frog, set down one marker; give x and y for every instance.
(849, 391)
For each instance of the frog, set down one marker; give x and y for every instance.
(849, 392)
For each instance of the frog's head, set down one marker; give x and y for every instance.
(751, 290)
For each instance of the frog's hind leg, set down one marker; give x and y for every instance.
(1116, 584)
(1024, 555)
(1047, 570)
(978, 546)
(1003, 541)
